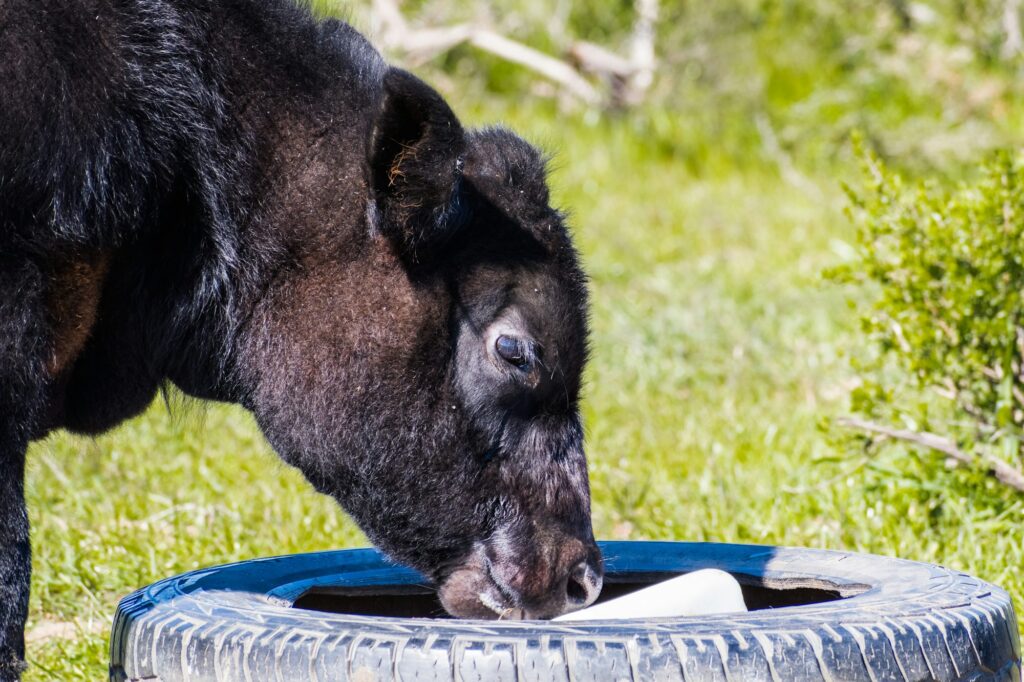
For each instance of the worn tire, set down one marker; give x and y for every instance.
(905, 621)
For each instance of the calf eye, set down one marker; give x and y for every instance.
(512, 350)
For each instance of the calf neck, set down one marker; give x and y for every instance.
(252, 205)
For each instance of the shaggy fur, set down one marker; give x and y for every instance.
(230, 196)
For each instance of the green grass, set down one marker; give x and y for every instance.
(718, 351)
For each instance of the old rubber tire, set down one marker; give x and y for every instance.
(905, 621)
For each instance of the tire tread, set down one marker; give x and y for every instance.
(940, 625)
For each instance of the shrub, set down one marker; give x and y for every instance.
(945, 268)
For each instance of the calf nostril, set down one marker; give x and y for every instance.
(576, 592)
(582, 587)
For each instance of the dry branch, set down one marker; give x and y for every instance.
(593, 58)
(642, 51)
(630, 77)
(549, 67)
(1001, 470)
(1014, 41)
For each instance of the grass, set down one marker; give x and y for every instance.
(718, 351)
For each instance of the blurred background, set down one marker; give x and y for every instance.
(765, 352)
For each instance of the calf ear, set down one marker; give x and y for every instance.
(415, 165)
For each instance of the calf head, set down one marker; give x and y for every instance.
(426, 372)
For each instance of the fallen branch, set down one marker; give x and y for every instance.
(596, 59)
(1001, 470)
(630, 77)
(549, 67)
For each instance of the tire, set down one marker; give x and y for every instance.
(836, 616)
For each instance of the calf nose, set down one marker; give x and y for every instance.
(559, 577)
(582, 586)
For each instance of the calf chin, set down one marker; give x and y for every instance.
(469, 593)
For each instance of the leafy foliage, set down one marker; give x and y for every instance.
(948, 269)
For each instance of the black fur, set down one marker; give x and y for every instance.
(230, 196)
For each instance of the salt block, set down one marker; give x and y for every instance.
(700, 593)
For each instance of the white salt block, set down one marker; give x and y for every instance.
(701, 593)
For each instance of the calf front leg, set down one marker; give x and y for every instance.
(23, 386)
(15, 561)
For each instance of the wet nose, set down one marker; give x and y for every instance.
(582, 586)
(576, 588)
(546, 583)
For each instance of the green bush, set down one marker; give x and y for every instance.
(947, 318)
